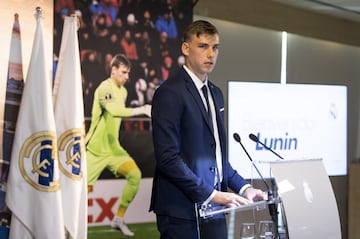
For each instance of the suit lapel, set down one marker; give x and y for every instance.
(216, 99)
(197, 98)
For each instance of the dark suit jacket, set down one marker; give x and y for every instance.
(185, 148)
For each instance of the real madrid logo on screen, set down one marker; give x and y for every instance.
(38, 161)
(70, 153)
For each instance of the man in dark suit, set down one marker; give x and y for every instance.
(190, 145)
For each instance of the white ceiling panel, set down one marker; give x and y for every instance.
(346, 9)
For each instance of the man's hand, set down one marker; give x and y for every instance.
(142, 110)
(229, 199)
(147, 110)
(253, 194)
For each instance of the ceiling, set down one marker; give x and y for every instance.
(346, 9)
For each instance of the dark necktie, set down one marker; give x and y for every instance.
(205, 92)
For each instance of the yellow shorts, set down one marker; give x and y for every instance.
(97, 164)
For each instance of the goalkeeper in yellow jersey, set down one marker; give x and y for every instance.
(103, 149)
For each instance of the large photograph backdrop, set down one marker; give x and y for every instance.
(149, 33)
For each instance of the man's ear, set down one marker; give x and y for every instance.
(185, 48)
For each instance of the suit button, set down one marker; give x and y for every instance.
(213, 145)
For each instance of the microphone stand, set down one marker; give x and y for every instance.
(277, 212)
(271, 199)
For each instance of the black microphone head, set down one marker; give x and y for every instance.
(237, 137)
(253, 137)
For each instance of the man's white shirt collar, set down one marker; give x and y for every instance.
(198, 83)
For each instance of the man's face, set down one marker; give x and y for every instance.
(121, 74)
(201, 54)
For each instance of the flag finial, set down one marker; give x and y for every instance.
(76, 16)
(38, 12)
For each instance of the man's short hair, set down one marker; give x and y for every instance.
(120, 59)
(198, 28)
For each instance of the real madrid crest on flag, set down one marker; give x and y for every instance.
(71, 145)
(38, 161)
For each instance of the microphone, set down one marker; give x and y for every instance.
(256, 140)
(237, 139)
(271, 201)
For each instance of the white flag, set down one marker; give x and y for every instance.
(33, 194)
(69, 118)
(14, 88)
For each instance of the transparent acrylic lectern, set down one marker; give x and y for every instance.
(305, 200)
(207, 211)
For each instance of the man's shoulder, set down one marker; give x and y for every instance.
(175, 85)
(107, 87)
(213, 86)
(105, 83)
(178, 78)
